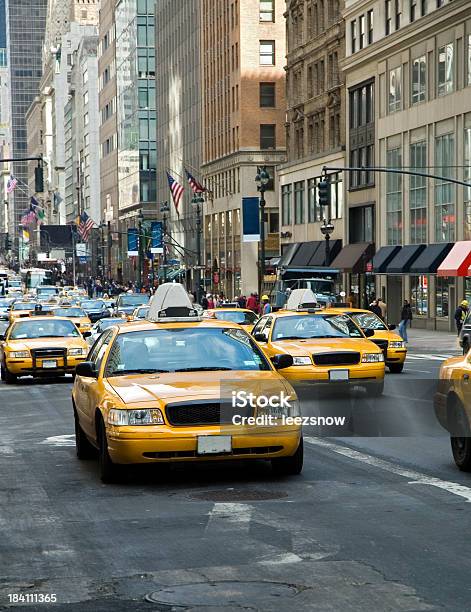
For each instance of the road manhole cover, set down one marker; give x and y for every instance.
(223, 593)
(236, 495)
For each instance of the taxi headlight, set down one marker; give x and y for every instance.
(287, 408)
(77, 351)
(301, 361)
(19, 354)
(135, 417)
(372, 357)
(397, 344)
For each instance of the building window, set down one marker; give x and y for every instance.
(314, 212)
(267, 95)
(388, 17)
(418, 194)
(267, 137)
(361, 29)
(419, 75)
(397, 14)
(412, 10)
(467, 178)
(286, 205)
(419, 295)
(395, 89)
(299, 203)
(469, 60)
(442, 290)
(444, 191)
(370, 25)
(267, 10)
(394, 198)
(267, 53)
(445, 69)
(361, 134)
(353, 35)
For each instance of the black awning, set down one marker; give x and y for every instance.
(431, 258)
(383, 257)
(354, 257)
(306, 251)
(404, 259)
(288, 254)
(318, 257)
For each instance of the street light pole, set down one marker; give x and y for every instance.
(262, 180)
(140, 253)
(198, 201)
(164, 209)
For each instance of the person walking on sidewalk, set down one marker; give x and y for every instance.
(406, 318)
(460, 315)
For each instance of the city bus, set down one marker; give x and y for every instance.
(35, 277)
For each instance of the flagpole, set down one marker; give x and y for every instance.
(73, 258)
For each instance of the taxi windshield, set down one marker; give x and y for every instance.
(92, 304)
(44, 329)
(367, 320)
(315, 326)
(184, 350)
(23, 306)
(105, 323)
(70, 312)
(242, 318)
(133, 300)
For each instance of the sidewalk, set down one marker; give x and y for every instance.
(431, 341)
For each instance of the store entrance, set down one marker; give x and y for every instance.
(394, 298)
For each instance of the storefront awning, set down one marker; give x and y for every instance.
(404, 259)
(431, 258)
(354, 257)
(458, 260)
(383, 257)
(309, 254)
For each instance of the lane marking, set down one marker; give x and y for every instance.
(414, 477)
(65, 440)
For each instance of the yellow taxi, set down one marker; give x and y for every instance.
(40, 346)
(452, 403)
(392, 345)
(242, 316)
(181, 388)
(326, 347)
(21, 310)
(139, 313)
(75, 314)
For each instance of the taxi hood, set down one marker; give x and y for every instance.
(37, 343)
(299, 348)
(187, 386)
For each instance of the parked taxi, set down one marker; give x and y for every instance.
(325, 346)
(75, 314)
(160, 391)
(41, 346)
(242, 316)
(391, 343)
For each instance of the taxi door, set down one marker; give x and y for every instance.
(263, 329)
(464, 383)
(86, 389)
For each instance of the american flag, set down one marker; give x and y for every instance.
(196, 186)
(176, 189)
(84, 225)
(12, 183)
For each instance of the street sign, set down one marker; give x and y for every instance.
(157, 244)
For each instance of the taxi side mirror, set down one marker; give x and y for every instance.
(369, 333)
(260, 337)
(391, 327)
(2, 337)
(86, 334)
(282, 361)
(86, 369)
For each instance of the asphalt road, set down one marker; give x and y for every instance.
(373, 523)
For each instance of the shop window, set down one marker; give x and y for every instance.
(419, 295)
(442, 291)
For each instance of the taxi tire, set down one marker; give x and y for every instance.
(289, 466)
(109, 471)
(83, 447)
(8, 377)
(375, 389)
(396, 368)
(461, 445)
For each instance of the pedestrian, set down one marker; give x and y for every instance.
(266, 306)
(460, 315)
(384, 308)
(252, 303)
(375, 308)
(211, 304)
(204, 302)
(406, 318)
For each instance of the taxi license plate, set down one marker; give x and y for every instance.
(213, 445)
(338, 375)
(50, 363)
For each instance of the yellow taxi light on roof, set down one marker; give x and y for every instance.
(171, 303)
(301, 299)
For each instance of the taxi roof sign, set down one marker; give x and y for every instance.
(301, 299)
(171, 303)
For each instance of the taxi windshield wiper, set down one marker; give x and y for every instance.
(203, 369)
(139, 371)
(291, 338)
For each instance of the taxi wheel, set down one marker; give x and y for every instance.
(83, 447)
(7, 376)
(375, 389)
(289, 466)
(461, 445)
(109, 472)
(396, 368)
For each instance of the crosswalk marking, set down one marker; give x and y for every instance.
(434, 357)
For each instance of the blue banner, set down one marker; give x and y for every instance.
(133, 242)
(157, 233)
(250, 220)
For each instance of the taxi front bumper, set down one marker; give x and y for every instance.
(35, 367)
(396, 355)
(169, 446)
(365, 372)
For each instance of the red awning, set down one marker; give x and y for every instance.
(458, 260)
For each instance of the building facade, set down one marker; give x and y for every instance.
(243, 81)
(4, 121)
(26, 22)
(315, 124)
(178, 91)
(408, 76)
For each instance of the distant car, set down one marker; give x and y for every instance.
(241, 316)
(45, 292)
(77, 315)
(100, 327)
(5, 303)
(465, 334)
(128, 302)
(95, 309)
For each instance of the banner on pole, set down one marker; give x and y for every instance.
(133, 242)
(250, 220)
(157, 244)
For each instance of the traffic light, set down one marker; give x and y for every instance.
(7, 243)
(38, 179)
(324, 192)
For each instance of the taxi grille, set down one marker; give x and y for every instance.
(339, 358)
(50, 353)
(203, 413)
